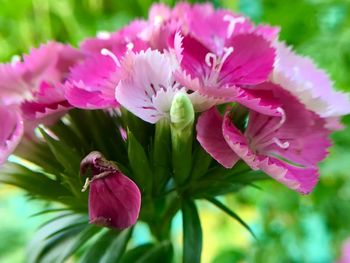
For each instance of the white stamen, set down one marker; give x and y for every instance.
(283, 145)
(228, 51)
(216, 63)
(283, 117)
(106, 52)
(86, 185)
(210, 59)
(130, 46)
(262, 140)
(103, 35)
(232, 23)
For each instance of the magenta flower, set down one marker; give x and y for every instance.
(11, 130)
(226, 78)
(215, 27)
(114, 199)
(286, 147)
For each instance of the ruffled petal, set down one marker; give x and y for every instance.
(11, 131)
(92, 84)
(311, 85)
(209, 135)
(146, 79)
(251, 61)
(301, 179)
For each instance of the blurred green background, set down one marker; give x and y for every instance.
(290, 227)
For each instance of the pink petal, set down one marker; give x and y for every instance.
(92, 84)
(251, 61)
(303, 130)
(11, 131)
(209, 135)
(147, 85)
(300, 76)
(301, 179)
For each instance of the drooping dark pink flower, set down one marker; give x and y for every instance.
(114, 199)
(286, 147)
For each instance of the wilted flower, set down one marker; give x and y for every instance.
(114, 199)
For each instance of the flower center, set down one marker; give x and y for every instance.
(266, 138)
(233, 21)
(216, 63)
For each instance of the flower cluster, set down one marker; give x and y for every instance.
(249, 96)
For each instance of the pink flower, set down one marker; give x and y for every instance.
(214, 27)
(37, 81)
(114, 199)
(147, 86)
(11, 130)
(226, 77)
(286, 147)
(310, 85)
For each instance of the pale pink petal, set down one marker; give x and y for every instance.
(300, 76)
(209, 135)
(147, 80)
(11, 130)
(301, 179)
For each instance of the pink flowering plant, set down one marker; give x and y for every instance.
(135, 125)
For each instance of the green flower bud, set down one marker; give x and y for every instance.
(181, 112)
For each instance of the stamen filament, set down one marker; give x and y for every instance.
(110, 54)
(232, 23)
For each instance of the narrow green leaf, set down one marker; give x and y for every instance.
(136, 253)
(117, 248)
(35, 183)
(192, 232)
(163, 252)
(139, 163)
(69, 159)
(79, 241)
(96, 251)
(228, 211)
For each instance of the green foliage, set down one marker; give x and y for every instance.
(192, 232)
